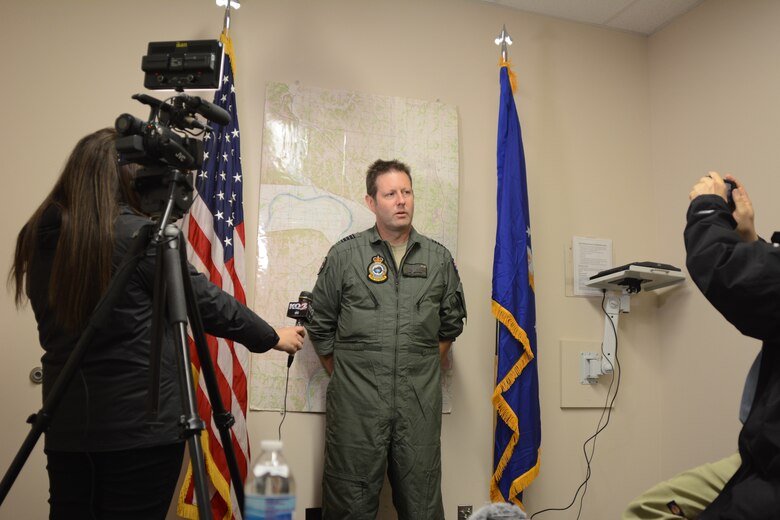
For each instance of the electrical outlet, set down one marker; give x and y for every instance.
(464, 512)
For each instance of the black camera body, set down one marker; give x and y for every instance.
(730, 186)
(169, 145)
(152, 143)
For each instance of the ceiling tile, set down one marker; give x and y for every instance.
(640, 16)
(647, 16)
(588, 11)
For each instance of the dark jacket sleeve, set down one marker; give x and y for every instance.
(741, 279)
(222, 315)
(226, 317)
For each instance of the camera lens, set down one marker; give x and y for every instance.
(129, 125)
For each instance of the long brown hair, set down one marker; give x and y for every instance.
(87, 196)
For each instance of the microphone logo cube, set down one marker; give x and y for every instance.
(300, 310)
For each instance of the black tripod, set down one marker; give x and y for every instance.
(174, 294)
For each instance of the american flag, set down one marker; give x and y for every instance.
(215, 232)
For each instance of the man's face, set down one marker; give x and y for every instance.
(394, 202)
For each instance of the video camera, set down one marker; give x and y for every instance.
(169, 144)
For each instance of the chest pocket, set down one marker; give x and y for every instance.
(426, 303)
(359, 318)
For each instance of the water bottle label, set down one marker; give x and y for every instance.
(270, 469)
(262, 507)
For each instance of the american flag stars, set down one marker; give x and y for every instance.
(219, 181)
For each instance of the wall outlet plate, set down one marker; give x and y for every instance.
(464, 512)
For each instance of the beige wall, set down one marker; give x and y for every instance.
(616, 128)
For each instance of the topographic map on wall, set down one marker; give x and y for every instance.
(317, 145)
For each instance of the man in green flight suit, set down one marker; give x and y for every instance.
(388, 304)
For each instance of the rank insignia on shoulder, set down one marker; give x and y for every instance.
(348, 237)
(377, 270)
(324, 260)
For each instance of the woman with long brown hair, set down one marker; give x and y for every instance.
(108, 455)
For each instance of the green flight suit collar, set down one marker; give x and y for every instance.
(374, 238)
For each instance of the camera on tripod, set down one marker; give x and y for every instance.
(169, 144)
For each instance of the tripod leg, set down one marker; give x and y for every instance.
(222, 418)
(177, 313)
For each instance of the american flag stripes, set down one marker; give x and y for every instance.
(215, 231)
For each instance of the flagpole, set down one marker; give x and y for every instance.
(503, 41)
(226, 23)
(228, 4)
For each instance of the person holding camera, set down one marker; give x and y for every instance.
(740, 275)
(110, 455)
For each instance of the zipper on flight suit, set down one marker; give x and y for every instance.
(397, 282)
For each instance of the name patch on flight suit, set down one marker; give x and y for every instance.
(377, 270)
(415, 270)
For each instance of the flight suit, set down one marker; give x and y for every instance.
(383, 324)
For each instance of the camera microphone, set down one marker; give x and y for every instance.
(154, 103)
(177, 114)
(208, 110)
(302, 312)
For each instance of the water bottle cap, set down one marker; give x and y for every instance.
(271, 445)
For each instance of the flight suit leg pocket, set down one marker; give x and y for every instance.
(343, 496)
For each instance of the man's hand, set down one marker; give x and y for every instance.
(290, 339)
(743, 214)
(711, 184)
(444, 348)
(327, 363)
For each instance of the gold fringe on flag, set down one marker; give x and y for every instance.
(228, 45)
(512, 77)
(222, 486)
(508, 415)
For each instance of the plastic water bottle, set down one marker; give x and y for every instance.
(270, 488)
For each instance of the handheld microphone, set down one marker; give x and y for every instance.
(302, 312)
